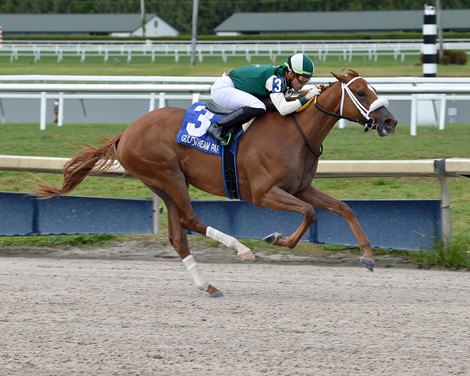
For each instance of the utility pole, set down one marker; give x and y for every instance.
(142, 16)
(194, 33)
(440, 35)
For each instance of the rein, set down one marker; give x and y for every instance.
(307, 144)
(354, 120)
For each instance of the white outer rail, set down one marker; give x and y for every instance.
(209, 80)
(204, 88)
(440, 168)
(413, 89)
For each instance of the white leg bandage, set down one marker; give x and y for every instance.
(191, 264)
(227, 240)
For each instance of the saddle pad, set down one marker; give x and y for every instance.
(193, 134)
(193, 129)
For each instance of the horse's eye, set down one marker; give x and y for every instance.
(361, 93)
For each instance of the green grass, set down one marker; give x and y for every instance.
(214, 66)
(56, 240)
(349, 143)
(456, 257)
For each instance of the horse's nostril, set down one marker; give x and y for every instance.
(390, 122)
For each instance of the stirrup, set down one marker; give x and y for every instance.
(227, 140)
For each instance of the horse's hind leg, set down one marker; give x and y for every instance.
(178, 239)
(172, 181)
(189, 220)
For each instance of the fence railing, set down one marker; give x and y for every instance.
(152, 50)
(161, 88)
(440, 168)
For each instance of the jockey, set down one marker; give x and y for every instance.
(244, 89)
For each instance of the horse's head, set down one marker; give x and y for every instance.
(360, 103)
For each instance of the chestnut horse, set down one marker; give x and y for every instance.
(276, 163)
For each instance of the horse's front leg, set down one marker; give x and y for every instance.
(321, 200)
(277, 198)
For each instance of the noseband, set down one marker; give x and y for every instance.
(369, 122)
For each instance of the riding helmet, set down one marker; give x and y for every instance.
(300, 64)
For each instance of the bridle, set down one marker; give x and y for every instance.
(368, 121)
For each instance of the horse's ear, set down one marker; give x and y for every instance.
(340, 78)
(353, 73)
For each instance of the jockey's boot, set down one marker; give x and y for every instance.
(229, 121)
(217, 132)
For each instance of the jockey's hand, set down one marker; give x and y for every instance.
(312, 92)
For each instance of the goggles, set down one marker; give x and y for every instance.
(302, 79)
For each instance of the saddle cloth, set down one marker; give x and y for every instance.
(193, 134)
(193, 130)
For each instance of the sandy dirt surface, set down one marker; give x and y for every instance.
(126, 312)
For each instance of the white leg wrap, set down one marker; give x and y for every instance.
(191, 264)
(227, 240)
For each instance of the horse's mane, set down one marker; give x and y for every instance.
(327, 86)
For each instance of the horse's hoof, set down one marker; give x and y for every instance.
(247, 256)
(214, 292)
(367, 263)
(218, 294)
(271, 239)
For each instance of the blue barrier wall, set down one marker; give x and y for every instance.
(26, 215)
(395, 224)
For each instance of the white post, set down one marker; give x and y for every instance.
(152, 102)
(342, 123)
(42, 121)
(414, 115)
(161, 100)
(442, 112)
(196, 97)
(60, 120)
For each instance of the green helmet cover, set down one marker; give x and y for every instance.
(300, 64)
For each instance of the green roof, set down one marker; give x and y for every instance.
(70, 23)
(364, 21)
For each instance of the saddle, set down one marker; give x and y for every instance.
(217, 109)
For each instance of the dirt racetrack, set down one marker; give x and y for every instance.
(119, 316)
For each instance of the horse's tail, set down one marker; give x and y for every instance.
(96, 159)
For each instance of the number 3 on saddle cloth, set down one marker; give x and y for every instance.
(193, 134)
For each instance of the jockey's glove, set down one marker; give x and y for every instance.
(312, 92)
